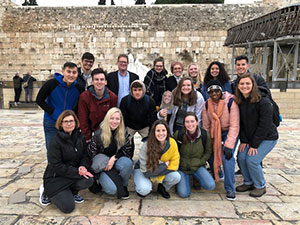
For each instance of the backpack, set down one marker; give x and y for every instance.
(228, 105)
(276, 113)
(25, 84)
(181, 133)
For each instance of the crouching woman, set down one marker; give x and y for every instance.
(66, 171)
(158, 162)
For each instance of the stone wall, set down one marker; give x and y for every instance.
(41, 39)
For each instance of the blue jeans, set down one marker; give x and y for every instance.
(50, 131)
(143, 185)
(201, 175)
(250, 165)
(228, 166)
(124, 166)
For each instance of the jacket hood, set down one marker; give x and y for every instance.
(263, 91)
(141, 83)
(59, 77)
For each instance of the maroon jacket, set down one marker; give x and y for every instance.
(92, 110)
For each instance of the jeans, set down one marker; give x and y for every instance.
(228, 166)
(50, 131)
(201, 175)
(28, 93)
(250, 165)
(64, 200)
(124, 166)
(17, 94)
(143, 185)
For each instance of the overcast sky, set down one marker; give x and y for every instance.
(95, 2)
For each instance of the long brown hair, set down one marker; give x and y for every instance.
(178, 96)
(154, 149)
(185, 140)
(254, 94)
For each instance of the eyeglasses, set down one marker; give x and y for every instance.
(68, 121)
(213, 91)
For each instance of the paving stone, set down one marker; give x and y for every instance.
(4, 181)
(244, 222)
(276, 222)
(7, 173)
(269, 198)
(121, 207)
(292, 178)
(275, 178)
(11, 163)
(24, 184)
(37, 220)
(19, 209)
(17, 197)
(254, 210)
(288, 189)
(198, 221)
(290, 198)
(287, 211)
(108, 220)
(8, 219)
(147, 220)
(188, 208)
(24, 169)
(200, 196)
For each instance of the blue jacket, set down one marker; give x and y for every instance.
(55, 96)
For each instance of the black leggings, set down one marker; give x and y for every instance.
(64, 200)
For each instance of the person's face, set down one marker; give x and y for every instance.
(158, 67)
(70, 75)
(115, 121)
(214, 70)
(122, 64)
(241, 67)
(167, 98)
(215, 94)
(87, 64)
(245, 86)
(68, 124)
(99, 81)
(186, 87)
(190, 123)
(137, 93)
(161, 133)
(177, 70)
(193, 71)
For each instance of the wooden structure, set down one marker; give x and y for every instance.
(271, 43)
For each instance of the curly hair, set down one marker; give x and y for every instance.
(254, 94)
(154, 148)
(106, 131)
(222, 77)
(178, 96)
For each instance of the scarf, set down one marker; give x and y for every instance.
(192, 137)
(216, 135)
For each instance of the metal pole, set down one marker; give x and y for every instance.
(274, 75)
(249, 55)
(296, 55)
(265, 62)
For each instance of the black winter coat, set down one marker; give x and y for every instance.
(256, 122)
(65, 155)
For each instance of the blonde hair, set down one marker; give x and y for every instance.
(106, 131)
(170, 104)
(199, 77)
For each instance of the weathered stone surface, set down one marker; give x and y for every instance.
(206, 221)
(187, 208)
(245, 222)
(24, 184)
(254, 210)
(147, 220)
(276, 222)
(288, 189)
(287, 211)
(37, 220)
(107, 220)
(6, 172)
(24, 169)
(17, 197)
(290, 199)
(120, 207)
(5, 220)
(19, 209)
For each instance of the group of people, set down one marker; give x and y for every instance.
(91, 118)
(27, 83)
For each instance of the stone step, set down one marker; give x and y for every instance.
(23, 105)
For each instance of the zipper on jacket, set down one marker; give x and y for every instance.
(65, 100)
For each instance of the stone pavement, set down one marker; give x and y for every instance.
(23, 160)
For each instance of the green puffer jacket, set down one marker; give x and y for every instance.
(192, 154)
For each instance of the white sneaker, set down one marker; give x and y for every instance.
(44, 200)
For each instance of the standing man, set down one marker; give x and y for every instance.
(84, 72)
(94, 103)
(28, 82)
(58, 94)
(18, 87)
(120, 80)
(241, 67)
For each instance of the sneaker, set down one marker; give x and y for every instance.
(230, 196)
(161, 190)
(244, 187)
(16, 104)
(238, 173)
(78, 199)
(258, 192)
(126, 195)
(44, 200)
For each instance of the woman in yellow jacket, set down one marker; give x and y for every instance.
(158, 162)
